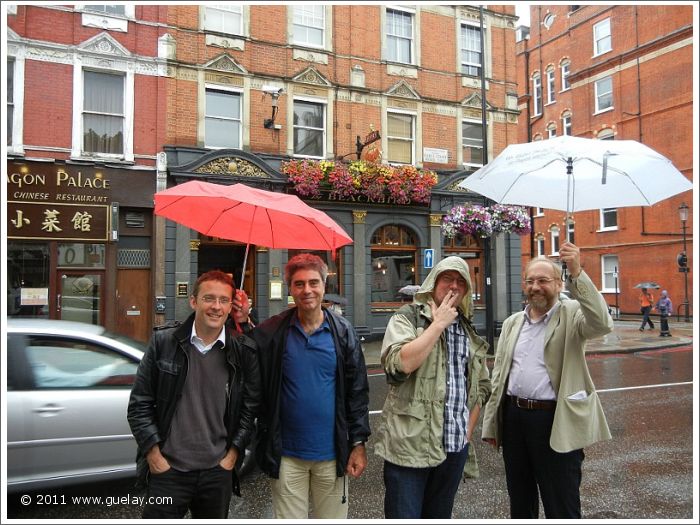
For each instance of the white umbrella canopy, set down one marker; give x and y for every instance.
(575, 174)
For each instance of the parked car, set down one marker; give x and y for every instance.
(68, 387)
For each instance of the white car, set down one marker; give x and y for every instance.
(68, 387)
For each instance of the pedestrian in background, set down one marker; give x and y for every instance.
(646, 303)
(435, 365)
(193, 406)
(665, 307)
(544, 409)
(314, 421)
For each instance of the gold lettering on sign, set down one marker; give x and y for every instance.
(62, 177)
(21, 220)
(81, 221)
(50, 223)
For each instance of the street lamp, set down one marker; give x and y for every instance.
(683, 213)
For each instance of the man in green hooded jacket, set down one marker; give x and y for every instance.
(435, 365)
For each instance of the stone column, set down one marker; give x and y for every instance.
(435, 240)
(359, 292)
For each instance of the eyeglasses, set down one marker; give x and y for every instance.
(541, 281)
(210, 299)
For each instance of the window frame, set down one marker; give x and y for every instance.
(412, 140)
(551, 85)
(551, 130)
(609, 273)
(554, 237)
(462, 39)
(389, 38)
(603, 214)
(536, 94)
(565, 70)
(84, 112)
(324, 130)
(480, 146)
(16, 146)
(541, 249)
(224, 10)
(228, 91)
(599, 39)
(566, 124)
(322, 28)
(598, 95)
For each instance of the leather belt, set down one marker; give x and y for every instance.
(532, 404)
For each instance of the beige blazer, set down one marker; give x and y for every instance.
(579, 420)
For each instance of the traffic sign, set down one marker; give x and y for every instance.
(428, 257)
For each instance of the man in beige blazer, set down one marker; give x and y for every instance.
(544, 409)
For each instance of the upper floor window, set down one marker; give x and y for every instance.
(551, 89)
(399, 36)
(10, 99)
(309, 129)
(566, 123)
(606, 134)
(603, 94)
(608, 219)
(540, 245)
(570, 231)
(400, 137)
(536, 94)
(539, 212)
(222, 120)
(309, 25)
(565, 72)
(472, 143)
(470, 53)
(554, 232)
(602, 39)
(103, 113)
(110, 9)
(610, 265)
(224, 18)
(551, 130)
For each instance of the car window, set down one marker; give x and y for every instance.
(65, 363)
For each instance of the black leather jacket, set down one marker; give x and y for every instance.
(159, 383)
(351, 391)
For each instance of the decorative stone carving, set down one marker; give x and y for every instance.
(225, 63)
(194, 245)
(311, 76)
(232, 166)
(359, 216)
(403, 89)
(436, 219)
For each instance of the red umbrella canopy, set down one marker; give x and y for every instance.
(250, 215)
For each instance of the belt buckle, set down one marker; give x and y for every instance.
(528, 403)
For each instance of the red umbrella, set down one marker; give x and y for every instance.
(240, 213)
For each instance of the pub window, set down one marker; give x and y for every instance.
(309, 129)
(472, 143)
(103, 113)
(334, 282)
(470, 52)
(399, 36)
(309, 25)
(224, 19)
(400, 136)
(394, 262)
(468, 248)
(222, 121)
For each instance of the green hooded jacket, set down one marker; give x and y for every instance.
(411, 428)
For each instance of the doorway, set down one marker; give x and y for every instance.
(134, 303)
(80, 296)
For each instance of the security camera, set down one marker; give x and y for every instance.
(272, 90)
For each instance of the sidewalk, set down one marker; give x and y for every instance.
(625, 337)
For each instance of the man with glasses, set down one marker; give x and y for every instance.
(193, 406)
(544, 409)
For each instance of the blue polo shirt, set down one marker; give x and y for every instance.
(307, 408)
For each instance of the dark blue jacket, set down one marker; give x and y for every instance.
(351, 389)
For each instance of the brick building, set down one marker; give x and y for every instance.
(614, 72)
(252, 86)
(86, 119)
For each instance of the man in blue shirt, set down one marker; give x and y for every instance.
(315, 413)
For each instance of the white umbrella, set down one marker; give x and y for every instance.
(574, 174)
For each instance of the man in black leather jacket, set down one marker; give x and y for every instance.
(193, 406)
(313, 370)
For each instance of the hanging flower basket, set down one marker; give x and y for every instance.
(480, 221)
(379, 183)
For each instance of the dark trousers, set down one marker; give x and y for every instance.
(664, 324)
(413, 493)
(206, 493)
(531, 464)
(646, 310)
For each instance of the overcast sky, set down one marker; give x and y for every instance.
(522, 9)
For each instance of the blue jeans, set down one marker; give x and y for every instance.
(413, 493)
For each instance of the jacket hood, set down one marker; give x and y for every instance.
(458, 264)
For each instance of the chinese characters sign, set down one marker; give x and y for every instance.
(52, 221)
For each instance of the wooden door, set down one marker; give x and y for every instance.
(134, 303)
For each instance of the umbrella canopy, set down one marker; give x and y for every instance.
(574, 174)
(240, 213)
(648, 284)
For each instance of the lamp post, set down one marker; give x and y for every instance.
(683, 213)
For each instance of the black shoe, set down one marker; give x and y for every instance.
(641, 329)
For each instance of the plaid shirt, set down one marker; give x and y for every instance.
(456, 411)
